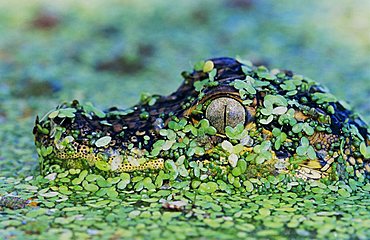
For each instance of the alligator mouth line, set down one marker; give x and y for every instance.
(82, 157)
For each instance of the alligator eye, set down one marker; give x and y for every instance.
(224, 111)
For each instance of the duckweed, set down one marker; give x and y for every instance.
(103, 141)
(227, 196)
(239, 213)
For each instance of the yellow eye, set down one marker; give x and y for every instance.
(225, 111)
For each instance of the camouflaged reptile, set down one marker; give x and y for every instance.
(226, 117)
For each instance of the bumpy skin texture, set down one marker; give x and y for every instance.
(227, 117)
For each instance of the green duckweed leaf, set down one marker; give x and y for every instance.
(323, 97)
(103, 183)
(198, 66)
(53, 114)
(112, 193)
(125, 180)
(102, 165)
(238, 132)
(248, 186)
(297, 128)
(301, 150)
(365, 150)
(279, 110)
(67, 112)
(267, 121)
(49, 194)
(209, 187)
(211, 75)
(264, 212)
(208, 66)
(148, 184)
(308, 129)
(343, 192)
(311, 153)
(103, 141)
(90, 108)
(91, 187)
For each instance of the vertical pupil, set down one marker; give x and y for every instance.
(224, 111)
(225, 116)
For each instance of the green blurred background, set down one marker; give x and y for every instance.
(108, 52)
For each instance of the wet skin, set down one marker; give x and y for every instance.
(226, 116)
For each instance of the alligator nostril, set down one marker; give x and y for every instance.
(224, 111)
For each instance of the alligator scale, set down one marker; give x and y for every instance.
(227, 117)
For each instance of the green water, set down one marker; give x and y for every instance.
(108, 53)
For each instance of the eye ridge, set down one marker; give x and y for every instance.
(226, 111)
